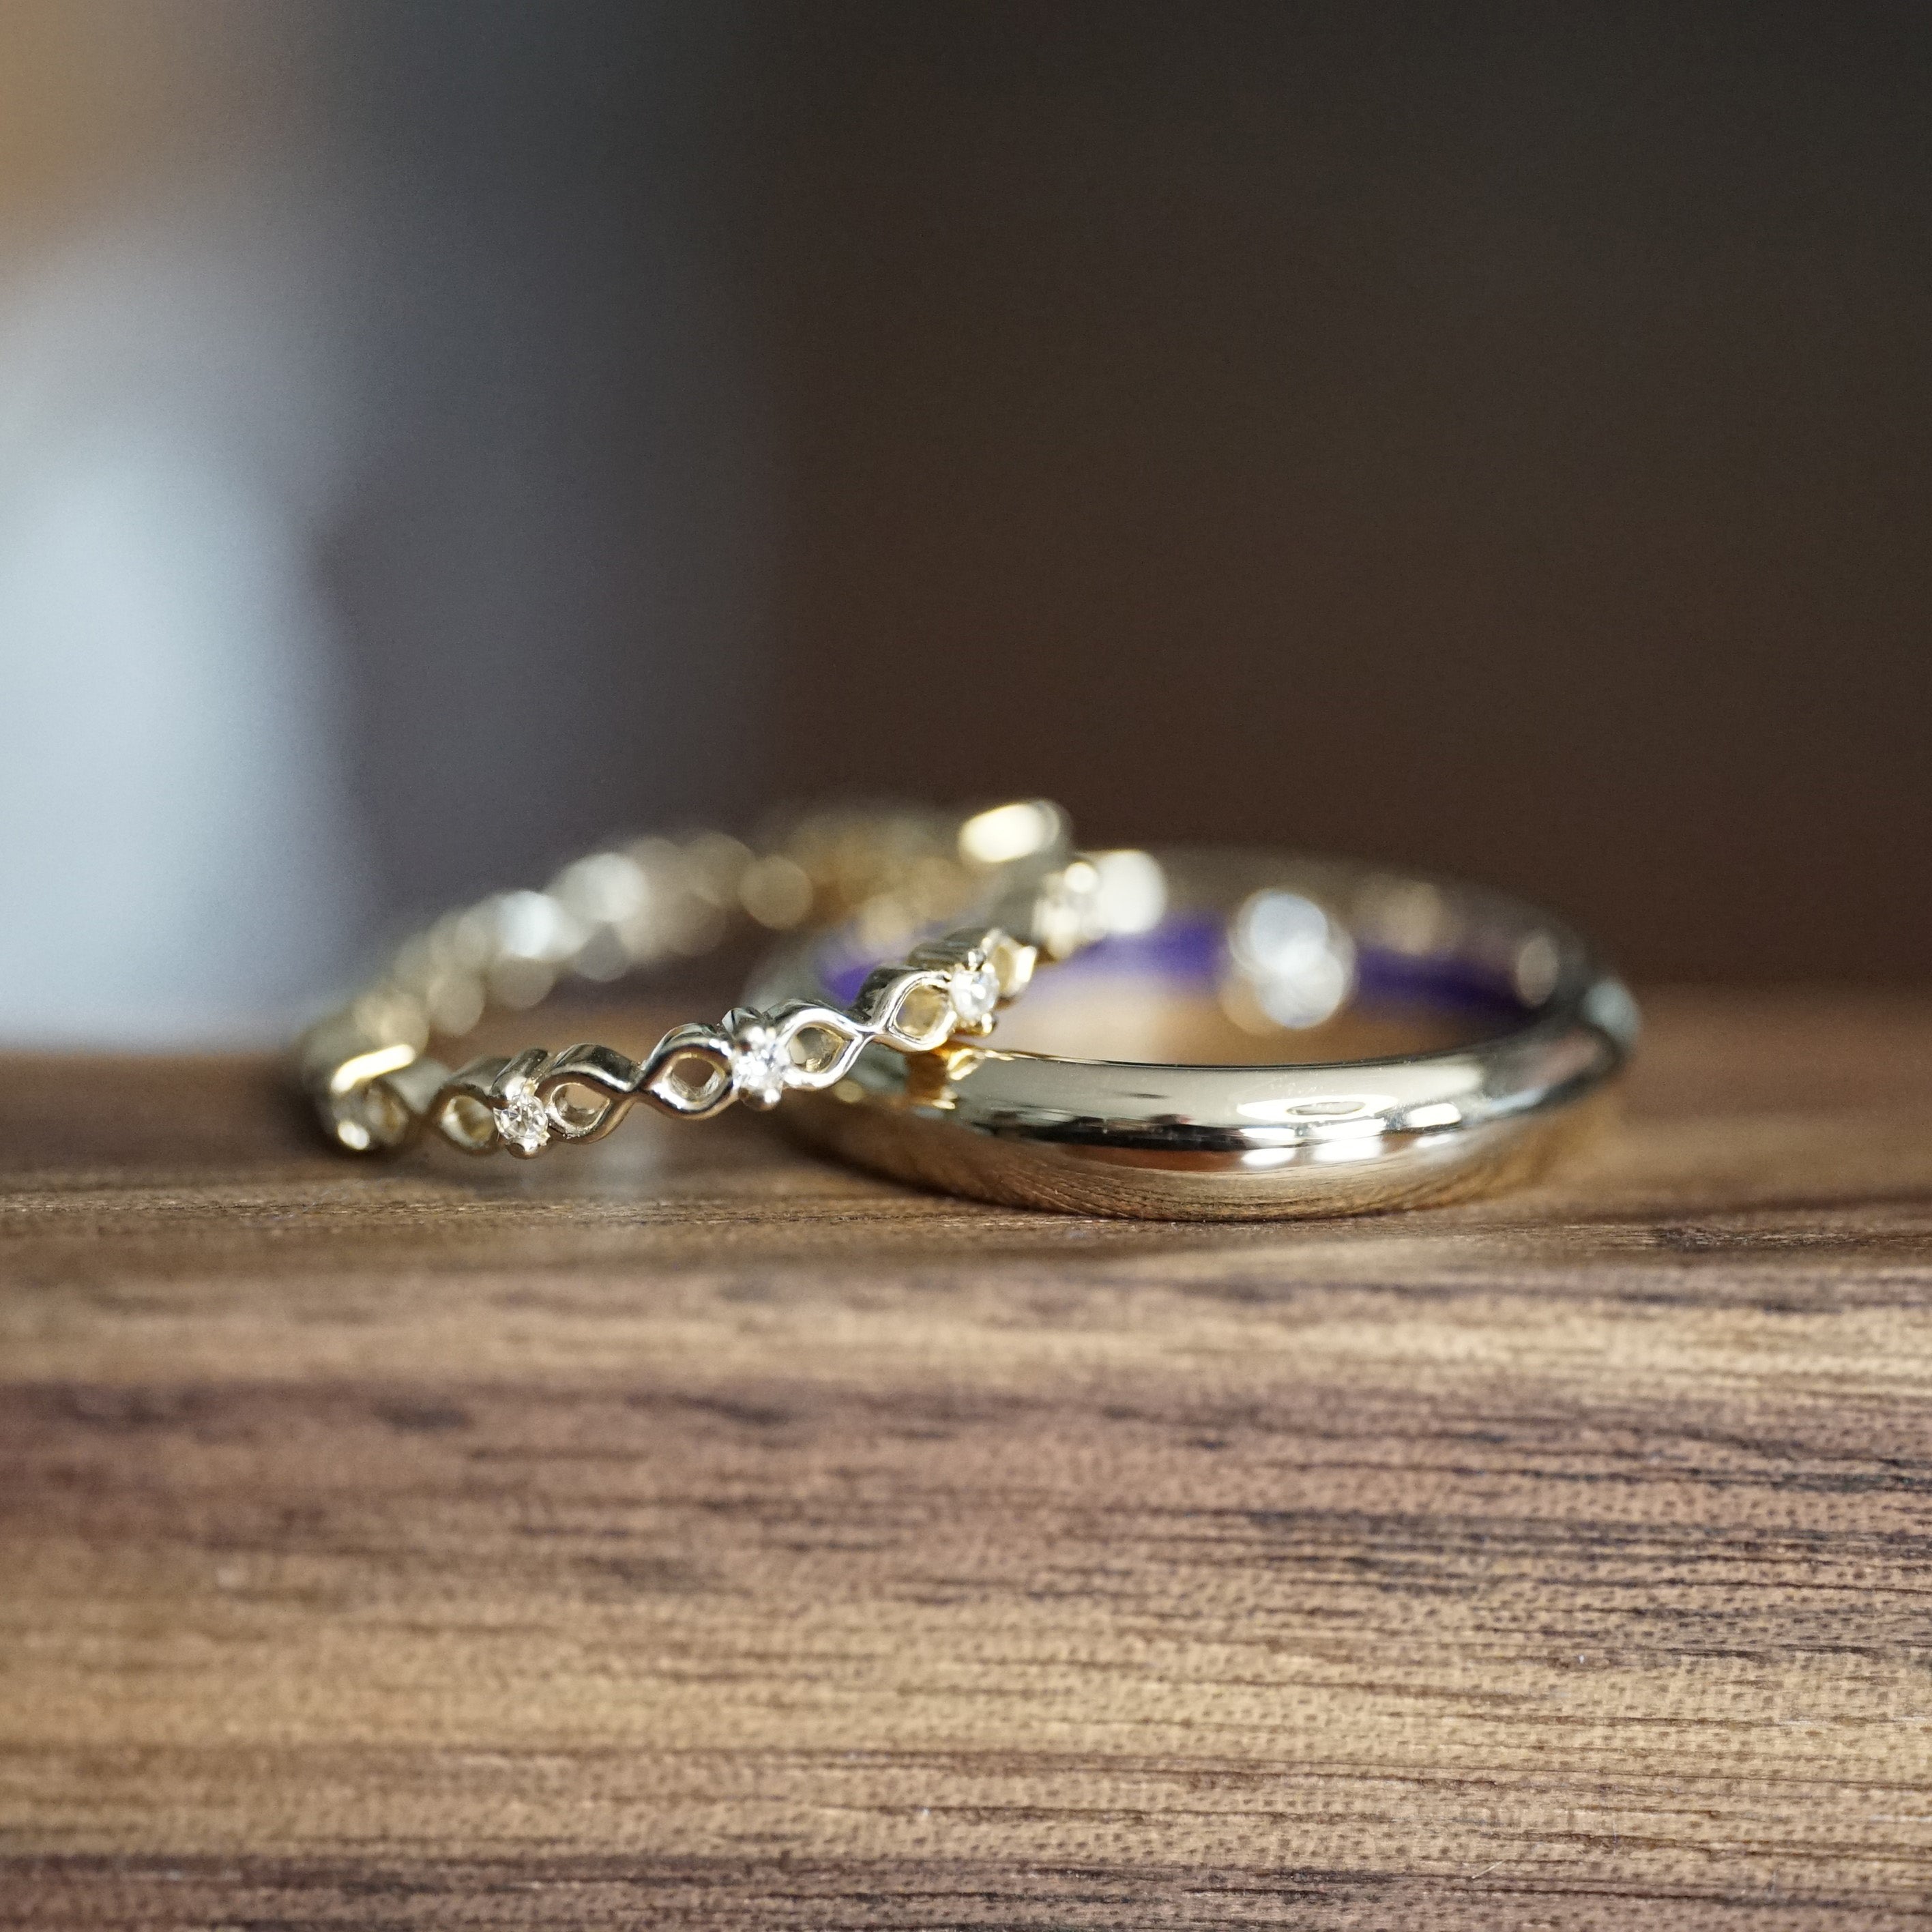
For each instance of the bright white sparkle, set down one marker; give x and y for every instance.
(974, 991)
(760, 1062)
(522, 1119)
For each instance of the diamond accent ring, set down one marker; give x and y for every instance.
(378, 1088)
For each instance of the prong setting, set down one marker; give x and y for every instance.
(762, 1067)
(523, 1120)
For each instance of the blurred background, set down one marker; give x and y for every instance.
(436, 433)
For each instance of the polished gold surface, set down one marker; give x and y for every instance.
(1299, 1136)
(1180, 1182)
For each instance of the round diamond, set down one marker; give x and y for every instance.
(974, 991)
(522, 1119)
(760, 1063)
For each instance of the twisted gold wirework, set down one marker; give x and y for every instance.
(377, 1089)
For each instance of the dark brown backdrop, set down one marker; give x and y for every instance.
(1493, 438)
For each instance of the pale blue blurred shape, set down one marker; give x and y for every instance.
(178, 861)
(382, 417)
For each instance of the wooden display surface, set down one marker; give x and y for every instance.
(688, 1533)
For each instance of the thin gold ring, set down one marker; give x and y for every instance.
(890, 875)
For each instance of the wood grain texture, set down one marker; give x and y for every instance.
(692, 1534)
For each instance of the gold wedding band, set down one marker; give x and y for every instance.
(1293, 938)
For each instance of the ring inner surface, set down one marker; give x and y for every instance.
(1247, 959)
(1204, 990)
